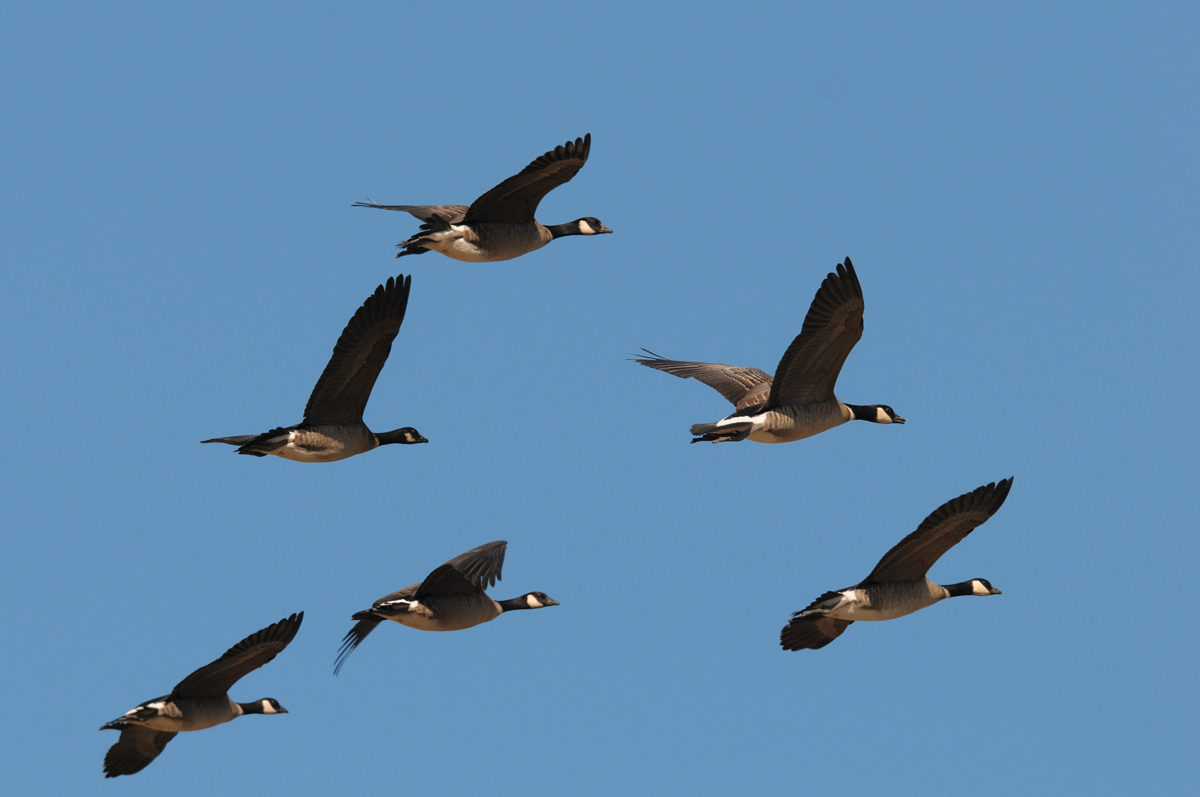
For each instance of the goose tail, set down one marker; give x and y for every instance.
(721, 433)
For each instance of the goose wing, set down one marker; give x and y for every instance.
(911, 558)
(811, 632)
(136, 748)
(251, 653)
(401, 594)
(809, 368)
(742, 387)
(367, 623)
(451, 213)
(517, 198)
(341, 393)
(469, 573)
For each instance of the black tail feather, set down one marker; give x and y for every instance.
(240, 440)
(730, 432)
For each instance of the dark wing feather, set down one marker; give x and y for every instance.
(345, 386)
(809, 368)
(451, 213)
(481, 566)
(365, 625)
(742, 387)
(401, 594)
(811, 632)
(911, 558)
(251, 653)
(353, 639)
(367, 622)
(445, 582)
(136, 748)
(517, 198)
(466, 574)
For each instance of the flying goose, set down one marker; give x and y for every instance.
(333, 427)
(799, 402)
(197, 702)
(898, 586)
(450, 598)
(500, 225)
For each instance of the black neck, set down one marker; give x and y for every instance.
(960, 589)
(559, 230)
(863, 413)
(513, 603)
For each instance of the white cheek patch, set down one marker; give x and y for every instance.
(586, 228)
(533, 603)
(978, 588)
(881, 416)
(268, 708)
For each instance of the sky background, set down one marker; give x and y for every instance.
(1016, 186)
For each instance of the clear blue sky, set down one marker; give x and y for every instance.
(1017, 188)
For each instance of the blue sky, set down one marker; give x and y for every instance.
(1017, 188)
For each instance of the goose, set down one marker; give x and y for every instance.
(799, 401)
(898, 585)
(333, 427)
(500, 225)
(450, 598)
(197, 702)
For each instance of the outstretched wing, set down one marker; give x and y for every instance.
(742, 387)
(251, 653)
(367, 621)
(811, 632)
(451, 213)
(517, 198)
(136, 748)
(341, 393)
(353, 639)
(809, 368)
(911, 558)
(481, 566)
(466, 574)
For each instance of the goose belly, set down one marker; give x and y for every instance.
(450, 614)
(788, 424)
(328, 445)
(884, 601)
(455, 246)
(872, 613)
(202, 714)
(191, 714)
(487, 242)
